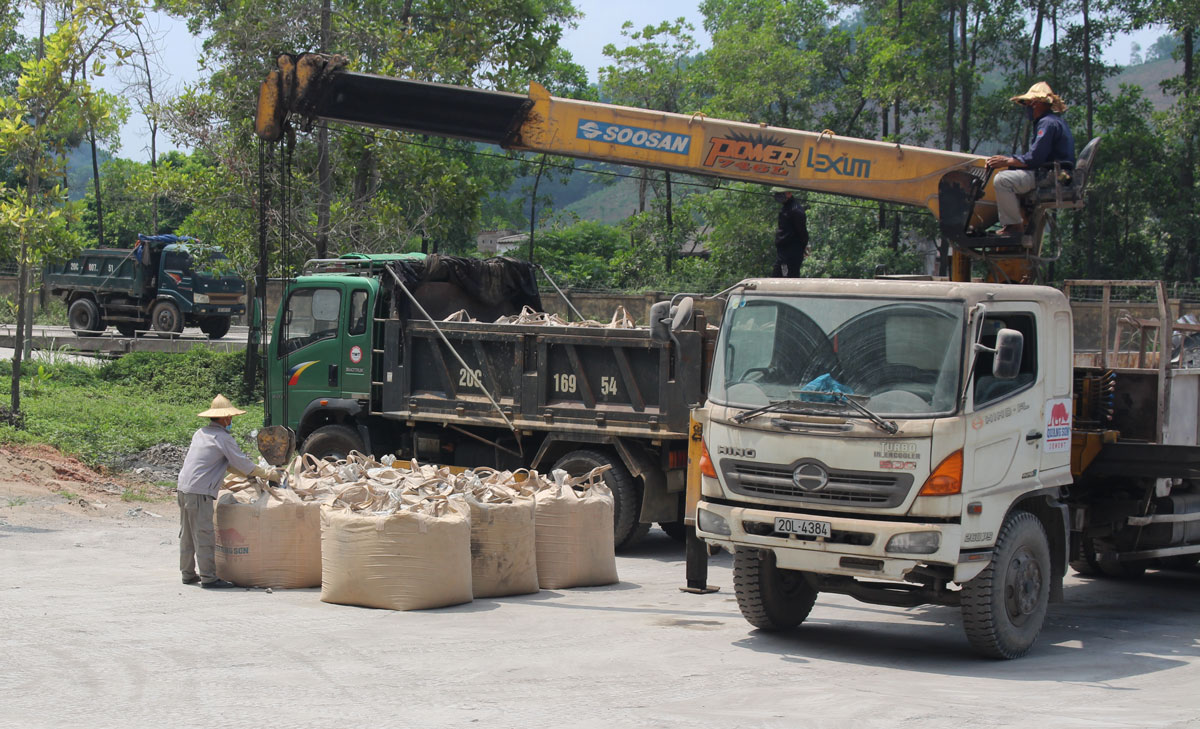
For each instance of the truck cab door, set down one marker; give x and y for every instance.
(356, 343)
(1005, 434)
(306, 351)
(175, 278)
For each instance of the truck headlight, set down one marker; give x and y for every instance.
(712, 523)
(200, 298)
(915, 543)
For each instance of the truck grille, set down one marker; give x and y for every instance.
(224, 299)
(844, 488)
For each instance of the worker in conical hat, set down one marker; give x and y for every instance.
(1052, 142)
(212, 453)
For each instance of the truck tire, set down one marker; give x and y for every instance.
(1084, 561)
(127, 328)
(1004, 607)
(627, 497)
(333, 441)
(84, 317)
(216, 327)
(676, 530)
(165, 317)
(770, 598)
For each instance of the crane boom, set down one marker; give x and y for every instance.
(952, 185)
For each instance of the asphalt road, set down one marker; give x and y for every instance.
(98, 632)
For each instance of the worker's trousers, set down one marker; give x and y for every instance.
(1010, 184)
(196, 539)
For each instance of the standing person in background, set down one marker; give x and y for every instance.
(1052, 142)
(791, 235)
(213, 452)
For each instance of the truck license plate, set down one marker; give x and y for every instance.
(786, 525)
(224, 310)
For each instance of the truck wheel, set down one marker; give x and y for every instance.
(627, 497)
(333, 441)
(216, 327)
(676, 530)
(84, 318)
(165, 317)
(770, 598)
(127, 328)
(1084, 561)
(1004, 607)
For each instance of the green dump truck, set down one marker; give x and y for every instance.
(164, 283)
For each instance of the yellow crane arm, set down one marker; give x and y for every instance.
(697, 145)
(316, 87)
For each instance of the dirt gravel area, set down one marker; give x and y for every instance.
(98, 632)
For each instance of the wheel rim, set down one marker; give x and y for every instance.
(1022, 586)
(790, 583)
(165, 320)
(80, 320)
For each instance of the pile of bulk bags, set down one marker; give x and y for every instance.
(407, 536)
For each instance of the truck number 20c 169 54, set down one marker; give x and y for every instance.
(569, 383)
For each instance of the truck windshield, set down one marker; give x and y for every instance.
(898, 358)
(210, 263)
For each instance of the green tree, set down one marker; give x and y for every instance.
(52, 107)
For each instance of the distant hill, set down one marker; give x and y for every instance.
(1149, 76)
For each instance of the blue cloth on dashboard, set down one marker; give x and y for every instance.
(824, 383)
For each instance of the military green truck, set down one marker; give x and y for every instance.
(164, 283)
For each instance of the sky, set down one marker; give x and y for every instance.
(600, 26)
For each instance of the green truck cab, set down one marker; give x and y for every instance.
(164, 283)
(320, 356)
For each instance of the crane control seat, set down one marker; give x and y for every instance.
(1063, 185)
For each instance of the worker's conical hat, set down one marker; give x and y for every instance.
(220, 408)
(1041, 92)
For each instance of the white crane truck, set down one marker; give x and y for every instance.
(951, 443)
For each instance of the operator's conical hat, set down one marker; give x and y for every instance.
(1041, 92)
(220, 408)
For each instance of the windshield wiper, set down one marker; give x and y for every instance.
(887, 426)
(777, 405)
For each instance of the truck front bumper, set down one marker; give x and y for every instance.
(218, 309)
(754, 528)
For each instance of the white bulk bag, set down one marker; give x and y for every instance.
(575, 532)
(415, 557)
(267, 536)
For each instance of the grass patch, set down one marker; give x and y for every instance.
(100, 412)
(69, 495)
(140, 494)
(19, 501)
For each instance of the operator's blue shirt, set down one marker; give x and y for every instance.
(1052, 142)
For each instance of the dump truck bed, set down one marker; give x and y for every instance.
(107, 270)
(565, 378)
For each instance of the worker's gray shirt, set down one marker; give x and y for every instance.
(213, 451)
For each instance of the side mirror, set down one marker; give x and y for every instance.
(660, 321)
(1007, 361)
(681, 314)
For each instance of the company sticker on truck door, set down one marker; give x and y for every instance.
(1058, 426)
